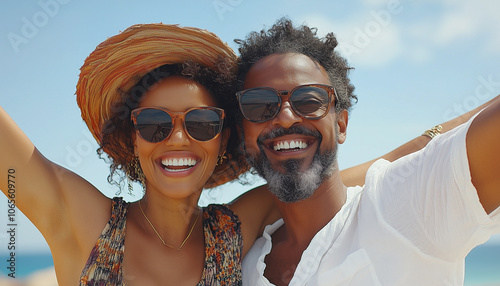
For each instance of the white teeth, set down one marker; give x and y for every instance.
(290, 145)
(179, 162)
(176, 170)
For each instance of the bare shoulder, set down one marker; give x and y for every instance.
(255, 209)
(251, 195)
(254, 205)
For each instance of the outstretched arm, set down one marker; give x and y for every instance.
(56, 200)
(483, 152)
(356, 175)
(43, 190)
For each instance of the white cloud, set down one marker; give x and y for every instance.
(453, 26)
(374, 37)
(371, 40)
(378, 48)
(470, 20)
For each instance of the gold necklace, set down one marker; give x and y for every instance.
(163, 241)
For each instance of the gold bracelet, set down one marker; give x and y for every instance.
(433, 132)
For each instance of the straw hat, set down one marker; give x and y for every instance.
(120, 61)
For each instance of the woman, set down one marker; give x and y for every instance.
(152, 98)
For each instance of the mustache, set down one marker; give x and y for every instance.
(278, 132)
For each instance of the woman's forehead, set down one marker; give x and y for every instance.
(178, 93)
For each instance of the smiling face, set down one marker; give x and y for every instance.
(178, 166)
(295, 155)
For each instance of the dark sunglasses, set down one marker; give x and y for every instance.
(260, 104)
(155, 124)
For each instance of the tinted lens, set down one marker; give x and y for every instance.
(310, 101)
(259, 105)
(203, 124)
(154, 125)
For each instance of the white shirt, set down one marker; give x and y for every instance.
(413, 223)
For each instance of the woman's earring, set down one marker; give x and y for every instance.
(221, 159)
(136, 166)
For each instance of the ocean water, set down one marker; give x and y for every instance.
(27, 264)
(482, 265)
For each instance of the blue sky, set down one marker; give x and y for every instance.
(417, 63)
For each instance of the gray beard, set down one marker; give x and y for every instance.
(294, 185)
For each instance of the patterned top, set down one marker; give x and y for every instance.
(222, 250)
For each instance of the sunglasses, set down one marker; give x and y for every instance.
(260, 104)
(155, 124)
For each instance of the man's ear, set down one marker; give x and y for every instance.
(342, 119)
(226, 132)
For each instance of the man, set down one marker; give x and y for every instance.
(412, 223)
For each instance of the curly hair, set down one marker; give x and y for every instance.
(117, 132)
(282, 38)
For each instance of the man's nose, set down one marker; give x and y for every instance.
(286, 117)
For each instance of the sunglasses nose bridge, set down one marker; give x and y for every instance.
(178, 133)
(285, 102)
(286, 115)
(284, 95)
